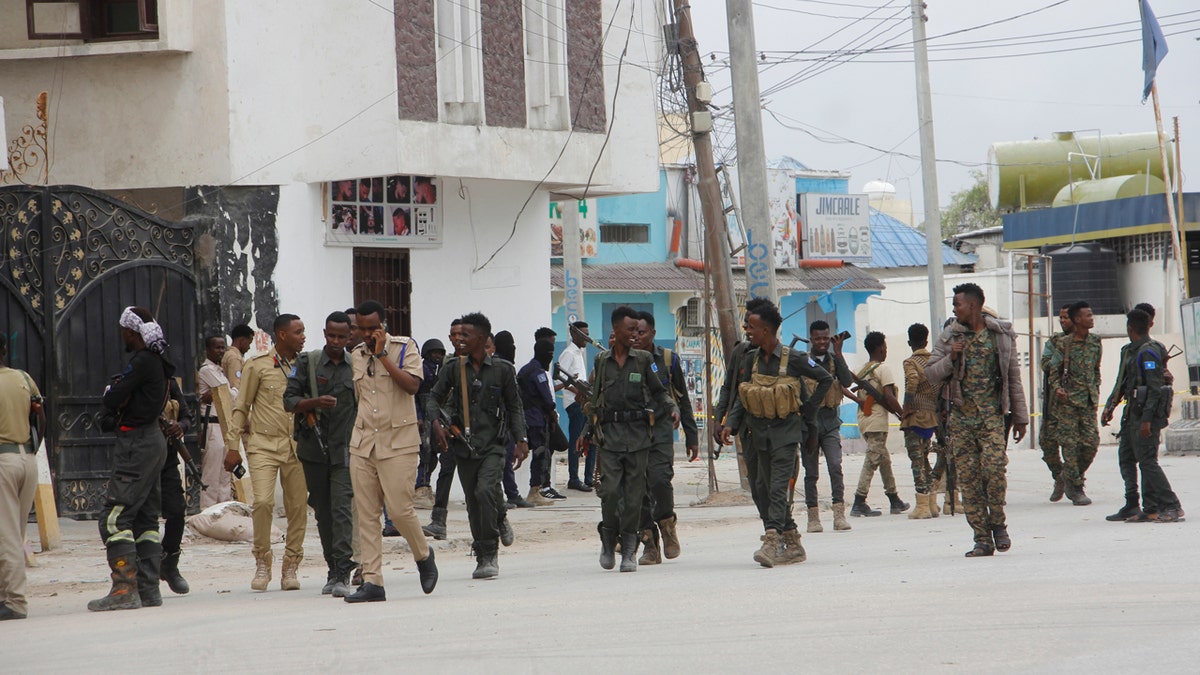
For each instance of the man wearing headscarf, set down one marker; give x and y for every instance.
(129, 520)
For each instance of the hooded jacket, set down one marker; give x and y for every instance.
(942, 367)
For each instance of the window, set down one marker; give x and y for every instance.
(546, 63)
(383, 275)
(624, 233)
(460, 61)
(92, 20)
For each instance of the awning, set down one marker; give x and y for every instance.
(1096, 220)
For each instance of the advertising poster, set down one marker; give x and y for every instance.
(400, 211)
(836, 226)
(589, 231)
(781, 208)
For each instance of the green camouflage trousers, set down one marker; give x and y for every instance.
(918, 454)
(1080, 438)
(1048, 437)
(978, 445)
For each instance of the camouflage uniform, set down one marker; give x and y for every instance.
(1077, 431)
(1048, 434)
(919, 424)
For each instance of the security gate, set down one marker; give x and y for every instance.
(73, 259)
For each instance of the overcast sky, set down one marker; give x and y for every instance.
(871, 99)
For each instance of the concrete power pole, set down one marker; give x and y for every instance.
(751, 157)
(933, 214)
(716, 234)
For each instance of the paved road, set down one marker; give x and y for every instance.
(1076, 594)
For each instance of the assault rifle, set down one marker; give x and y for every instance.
(874, 395)
(314, 428)
(583, 390)
(189, 464)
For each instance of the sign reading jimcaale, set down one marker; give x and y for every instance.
(835, 226)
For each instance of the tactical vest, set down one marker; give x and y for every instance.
(926, 396)
(771, 396)
(833, 397)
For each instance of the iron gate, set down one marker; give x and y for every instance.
(73, 259)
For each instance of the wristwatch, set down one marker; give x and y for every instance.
(381, 354)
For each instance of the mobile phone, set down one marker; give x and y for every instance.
(239, 471)
(844, 335)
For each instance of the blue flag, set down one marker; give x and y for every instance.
(1154, 46)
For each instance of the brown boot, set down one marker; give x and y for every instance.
(921, 511)
(650, 552)
(840, 524)
(124, 592)
(814, 519)
(934, 509)
(535, 497)
(768, 554)
(287, 578)
(423, 498)
(262, 571)
(670, 537)
(793, 552)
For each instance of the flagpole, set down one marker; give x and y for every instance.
(1162, 150)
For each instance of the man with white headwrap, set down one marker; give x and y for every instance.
(129, 520)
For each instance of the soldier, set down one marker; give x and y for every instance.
(232, 360)
(271, 452)
(1148, 405)
(19, 397)
(777, 415)
(433, 352)
(873, 425)
(1048, 438)
(977, 355)
(919, 421)
(658, 506)
(479, 393)
(384, 448)
(212, 457)
(445, 480)
(724, 398)
(624, 389)
(129, 520)
(320, 395)
(1074, 384)
(829, 429)
(175, 421)
(537, 399)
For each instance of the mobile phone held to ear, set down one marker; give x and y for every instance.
(844, 335)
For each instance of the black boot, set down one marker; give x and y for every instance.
(437, 524)
(124, 593)
(629, 546)
(1128, 511)
(860, 508)
(1078, 498)
(170, 574)
(486, 564)
(1059, 487)
(150, 555)
(608, 547)
(898, 506)
(428, 572)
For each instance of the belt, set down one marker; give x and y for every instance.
(625, 416)
(212, 418)
(15, 448)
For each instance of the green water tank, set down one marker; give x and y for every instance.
(1030, 174)
(1117, 187)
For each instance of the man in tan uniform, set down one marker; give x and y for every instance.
(385, 448)
(271, 452)
(18, 481)
(219, 481)
(231, 360)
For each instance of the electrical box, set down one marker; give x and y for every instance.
(704, 92)
(701, 122)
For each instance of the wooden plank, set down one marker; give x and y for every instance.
(44, 506)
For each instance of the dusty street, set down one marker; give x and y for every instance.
(1075, 594)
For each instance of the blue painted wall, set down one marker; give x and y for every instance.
(837, 186)
(650, 209)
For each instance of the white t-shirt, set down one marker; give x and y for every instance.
(573, 361)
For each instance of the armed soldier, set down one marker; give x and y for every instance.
(212, 439)
(1074, 385)
(1048, 438)
(320, 395)
(175, 422)
(829, 428)
(876, 398)
(1141, 383)
(919, 421)
(977, 355)
(658, 507)
(778, 414)
(479, 394)
(445, 479)
(625, 393)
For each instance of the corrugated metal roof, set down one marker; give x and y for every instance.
(667, 277)
(894, 244)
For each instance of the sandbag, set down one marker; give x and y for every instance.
(228, 521)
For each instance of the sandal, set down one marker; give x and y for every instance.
(981, 550)
(1000, 534)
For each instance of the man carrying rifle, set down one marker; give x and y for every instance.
(573, 362)
(1048, 436)
(212, 439)
(1074, 385)
(919, 421)
(320, 394)
(175, 421)
(876, 399)
(829, 428)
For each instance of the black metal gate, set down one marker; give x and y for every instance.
(73, 259)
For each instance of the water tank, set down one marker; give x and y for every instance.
(1085, 272)
(1029, 174)
(1117, 187)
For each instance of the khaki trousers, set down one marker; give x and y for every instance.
(18, 483)
(265, 469)
(877, 458)
(391, 482)
(212, 469)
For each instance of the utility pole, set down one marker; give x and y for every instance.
(751, 157)
(716, 251)
(933, 214)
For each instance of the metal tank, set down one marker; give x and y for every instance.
(1029, 174)
(1117, 187)
(1086, 272)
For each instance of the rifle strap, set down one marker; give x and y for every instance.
(462, 389)
(1066, 363)
(312, 376)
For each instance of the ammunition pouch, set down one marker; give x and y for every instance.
(626, 415)
(771, 396)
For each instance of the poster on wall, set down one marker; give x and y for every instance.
(781, 209)
(589, 231)
(691, 361)
(836, 226)
(390, 211)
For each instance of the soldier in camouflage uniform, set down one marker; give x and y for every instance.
(1074, 386)
(919, 421)
(1048, 434)
(977, 355)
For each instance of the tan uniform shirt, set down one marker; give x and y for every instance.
(878, 421)
(260, 400)
(231, 364)
(15, 393)
(387, 415)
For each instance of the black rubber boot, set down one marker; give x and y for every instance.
(860, 508)
(170, 574)
(429, 573)
(608, 547)
(898, 505)
(629, 546)
(150, 555)
(437, 524)
(124, 592)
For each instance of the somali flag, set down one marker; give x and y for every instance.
(1154, 46)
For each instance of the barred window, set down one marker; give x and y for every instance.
(625, 233)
